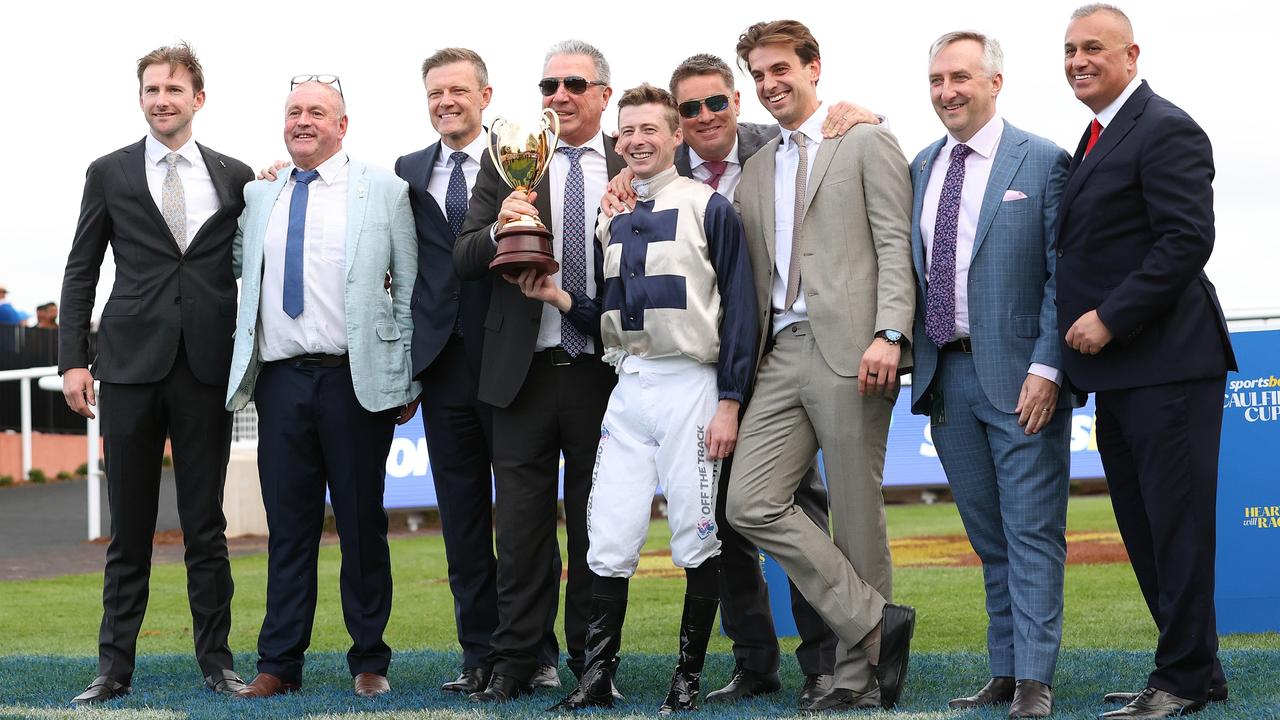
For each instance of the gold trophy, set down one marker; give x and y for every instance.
(522, 158)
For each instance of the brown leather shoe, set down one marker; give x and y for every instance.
(998, 690)
(266, 685)
(1031, 699)
(369, 685)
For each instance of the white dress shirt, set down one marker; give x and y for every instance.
(438, 185)
(197, 185)
(977, 172)
(1109, 112)
(732, 170)
(784, 200)
(595, 176)
(322, 326)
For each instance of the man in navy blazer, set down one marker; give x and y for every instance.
(1144, 330)
(988, 366)
(448, 339)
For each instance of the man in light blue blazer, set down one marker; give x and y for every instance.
(323, 350)
(987, 360)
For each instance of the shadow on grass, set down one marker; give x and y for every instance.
(170, 687)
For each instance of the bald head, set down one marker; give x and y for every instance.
(1100, 57)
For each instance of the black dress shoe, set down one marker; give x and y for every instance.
(470, 680)
(546, 676)
(997, 691)
(225, 682)
(501, 688)
(1153, 704)
(101, 689)
(1031, 699)
(896, 629)
(842, 700)
(745, 684)
(1217, 693)
(814, 689)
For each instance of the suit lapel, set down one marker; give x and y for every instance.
(221, 176)
(822, 161)
(357, 202)
(1009, 156)
(134, 165)
(422, 180)
(768, 167)
(682, 161)
(922, 175)
(1107, 141)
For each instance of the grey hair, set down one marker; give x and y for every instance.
(578, 47)
(992, 55)
(1092, 8)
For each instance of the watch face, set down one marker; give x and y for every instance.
(892, 335)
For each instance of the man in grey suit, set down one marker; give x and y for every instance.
(988, 362)
(828, 231)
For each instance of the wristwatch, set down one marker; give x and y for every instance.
(893, 337)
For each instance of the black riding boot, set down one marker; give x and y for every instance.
(604, 638)
(695, 632)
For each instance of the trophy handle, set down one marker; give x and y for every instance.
(551, 123)
(495, 131)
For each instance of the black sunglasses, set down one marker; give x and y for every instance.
(715, 103)
(326, 79)
(573, 83)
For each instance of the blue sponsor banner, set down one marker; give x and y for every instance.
(910, 459)
(1247, 586)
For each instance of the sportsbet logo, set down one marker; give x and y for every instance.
(1263, 517)
(1257, 399)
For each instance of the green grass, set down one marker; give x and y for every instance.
(60, 616)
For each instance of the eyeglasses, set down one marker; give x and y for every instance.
(326, 79)
(715, 103)
(573, 83)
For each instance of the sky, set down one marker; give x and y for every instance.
(73, 95)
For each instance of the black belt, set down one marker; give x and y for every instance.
(316, 360)
(558, 356)
(964, 345)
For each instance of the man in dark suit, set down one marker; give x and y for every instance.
(448, 338)
(167, 207)
(1144, 330)
(542, 371)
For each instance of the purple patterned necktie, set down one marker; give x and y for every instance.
(940, 305)
(573, 250)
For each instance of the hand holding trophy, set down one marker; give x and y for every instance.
(522, 158)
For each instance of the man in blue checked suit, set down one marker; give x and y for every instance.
(323, 350)
(988, 362)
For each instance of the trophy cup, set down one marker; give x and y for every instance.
(522, 158)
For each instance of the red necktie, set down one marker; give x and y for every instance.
(1095, 129)
(716, 168)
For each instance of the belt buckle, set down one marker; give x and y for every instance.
(560, 357)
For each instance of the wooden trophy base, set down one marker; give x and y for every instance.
(522, 246)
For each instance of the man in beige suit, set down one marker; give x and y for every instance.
(828, 225)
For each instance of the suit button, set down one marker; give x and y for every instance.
(635, 231)
(455, 296)
(1059, 252)
(177, 300)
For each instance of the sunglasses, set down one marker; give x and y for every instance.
(715, 103)
(326, 79)
(573, 83)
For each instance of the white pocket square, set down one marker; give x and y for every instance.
(1014, 195)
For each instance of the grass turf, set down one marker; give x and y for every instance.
(168, 686)
(1108, 637)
